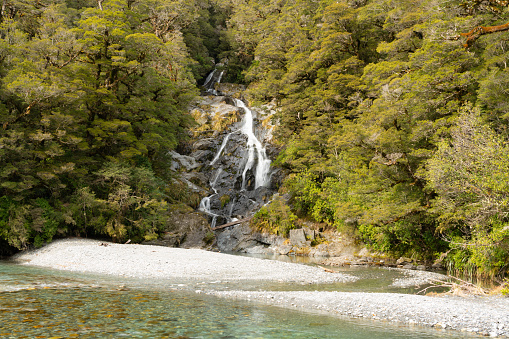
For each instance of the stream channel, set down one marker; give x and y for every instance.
(45, 303)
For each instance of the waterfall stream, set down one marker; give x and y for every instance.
(211, 81)
(255, 147)
(239, 170)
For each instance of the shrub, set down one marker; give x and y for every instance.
(276, 218)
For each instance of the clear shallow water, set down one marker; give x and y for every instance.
(371, 279)
(41, 303)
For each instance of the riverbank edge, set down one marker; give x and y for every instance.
(484, 316)
(481, 315)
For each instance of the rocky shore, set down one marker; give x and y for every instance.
(483, 315)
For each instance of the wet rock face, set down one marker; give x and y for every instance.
(235, 192)
(223, 159)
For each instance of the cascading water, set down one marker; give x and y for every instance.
(212, 79)
(205, 202)
(208, 81)
(255, 148)
(239, 170)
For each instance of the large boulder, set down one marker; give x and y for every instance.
(297, 237)
(183, 162)
(241, 238)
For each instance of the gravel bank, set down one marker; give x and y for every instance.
(484, 315)
(143, 261)
(415, 278)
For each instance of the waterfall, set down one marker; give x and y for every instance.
(239, 172)
(223, 145)
(219, 77)
(254, 146)
(207, 82)
(256, 151)
(205, 202)
(211, 81)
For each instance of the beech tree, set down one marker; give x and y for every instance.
(90, 104)
(469, 173)
(376, 103)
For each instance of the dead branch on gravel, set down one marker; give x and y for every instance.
(327, 269)
(456, 286)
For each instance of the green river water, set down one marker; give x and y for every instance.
(44, 303)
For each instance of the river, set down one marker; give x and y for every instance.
(44, 303)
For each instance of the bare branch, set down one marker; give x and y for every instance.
(475, 33)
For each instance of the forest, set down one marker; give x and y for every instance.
(392, 116)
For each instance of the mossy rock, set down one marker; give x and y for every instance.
(180, 208)
(225, 199)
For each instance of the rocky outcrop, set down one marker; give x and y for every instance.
(213, 165)
(334, 248)
(303, 241)
(222, 147)
(186, 228)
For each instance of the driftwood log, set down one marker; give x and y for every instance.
(233, 223)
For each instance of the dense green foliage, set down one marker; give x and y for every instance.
(92, 96)
(388, 125)
(276, 218)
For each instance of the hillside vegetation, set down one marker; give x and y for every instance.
(392, 115)
(393, 123)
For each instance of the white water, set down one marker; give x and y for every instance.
(256, 155)
(209, 83)
(256, 151)
(219, 78)
(205, 202)
(206, 84)
(223, 145)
